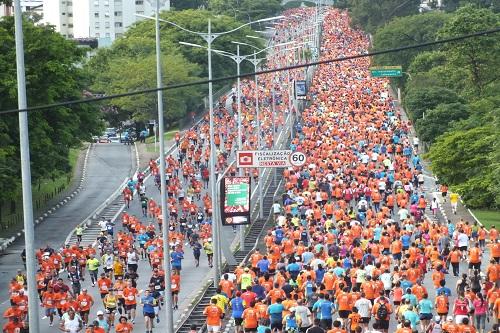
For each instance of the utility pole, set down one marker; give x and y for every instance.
(163, 197)
(29, 228)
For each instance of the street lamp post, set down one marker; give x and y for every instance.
(163, 198)
(255, 61)
(238, 59)
(29, 228)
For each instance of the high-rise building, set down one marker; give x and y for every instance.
(105, 20)
(34, 6)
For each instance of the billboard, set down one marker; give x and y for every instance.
(235, 200)
(300, 89)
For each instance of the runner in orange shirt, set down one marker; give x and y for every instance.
(129, 295)
(85, 302)
(214, 316)
(123, 326)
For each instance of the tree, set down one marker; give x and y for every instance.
(197, 20)
(52, 75)
(371, 14)
(418, 101)
(246, 10)
(120, 76)
(188, 4)
(115, 68)
(439, 120)
(478, 56)
(452, 5)
(465, 160)
(408, 30)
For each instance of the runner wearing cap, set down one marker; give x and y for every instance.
(102, 322)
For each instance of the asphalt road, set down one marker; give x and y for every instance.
(107, 167)
(192, 277)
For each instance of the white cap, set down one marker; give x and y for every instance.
(100, 313)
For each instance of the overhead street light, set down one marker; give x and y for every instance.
(209, 37)
(238, 59)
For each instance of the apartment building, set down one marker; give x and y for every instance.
(104, 20)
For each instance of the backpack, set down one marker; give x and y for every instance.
(382, 311)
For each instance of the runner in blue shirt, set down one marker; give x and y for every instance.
(148, 310)
(237, 311)
(275, 312)
(176, 261)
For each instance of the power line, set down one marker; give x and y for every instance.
(244, 75)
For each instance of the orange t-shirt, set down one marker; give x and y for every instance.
(124, 328)
(344, 302)
(213, 313)
(227, 287)
(474, 255)
(251, 317)
(129, 294)
(442, 304)
(84, 302)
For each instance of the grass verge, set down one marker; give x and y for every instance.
(488, 217)
(11, 213)
(150, 141)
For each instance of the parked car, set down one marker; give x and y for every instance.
(110, 131)
(104, 139)
(114, 139)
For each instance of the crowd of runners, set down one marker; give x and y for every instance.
(353, 246)
(111, 264)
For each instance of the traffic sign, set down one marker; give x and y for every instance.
(386, 71)
(263, 158)
(297, 159)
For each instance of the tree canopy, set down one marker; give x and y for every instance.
(451, 94)
(53, 74)
(371, 14)
(407, 30)
(246, 10)
(115, 69)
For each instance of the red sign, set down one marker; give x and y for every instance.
(245, 159)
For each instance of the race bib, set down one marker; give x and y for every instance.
(49, 302)
(83, 303)
(131, 297)
(157, 287)
(104, 287)
(120, 292)
(63, 301)
(174, 285)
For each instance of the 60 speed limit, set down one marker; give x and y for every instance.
(297, 159)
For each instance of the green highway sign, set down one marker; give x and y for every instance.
(386, 71)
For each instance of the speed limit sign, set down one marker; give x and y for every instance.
(297, 159)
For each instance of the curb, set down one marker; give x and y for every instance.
(5, 244)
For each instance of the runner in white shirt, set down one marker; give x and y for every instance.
(364, 307)
(71, 322)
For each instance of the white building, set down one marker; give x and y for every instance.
(105, 20)
(26, 6)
